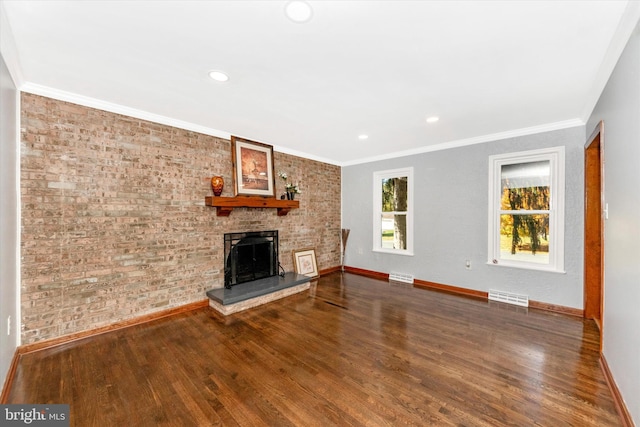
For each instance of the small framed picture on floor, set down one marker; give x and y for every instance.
(304, 262)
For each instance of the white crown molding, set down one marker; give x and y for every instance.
(306, 155)
(8, 48)
(119, 109)
(143, 115)
(628, 22)
(472, 141)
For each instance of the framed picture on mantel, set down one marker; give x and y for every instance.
(252, 168)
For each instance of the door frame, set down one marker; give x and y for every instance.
(594, 216)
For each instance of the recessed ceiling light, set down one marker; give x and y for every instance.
(298, 11)
(363, 137)
(218, 76)
(432, 119)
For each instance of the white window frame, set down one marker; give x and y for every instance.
(377, 209)
(555, 156)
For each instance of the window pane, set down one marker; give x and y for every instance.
(394, 194)
(525, 238)
(394, 231)
(525, 186)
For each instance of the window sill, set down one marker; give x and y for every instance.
(393, 252)
(531, 267)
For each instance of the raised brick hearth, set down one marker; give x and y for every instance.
(252, 294)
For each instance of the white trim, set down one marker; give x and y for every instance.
(393, 251)
(556, 213)
(531, 266)
(297, 153)
(86, 101)
(377, 203)
(17, 322)
(9, 49)
(566, 124)
(628, 23)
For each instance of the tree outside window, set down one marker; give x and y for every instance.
(392, 201)
(394, 213)
(524, 235)
(526, 214)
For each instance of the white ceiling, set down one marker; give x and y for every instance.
(488, 69)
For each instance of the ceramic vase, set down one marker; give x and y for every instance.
(217, 183)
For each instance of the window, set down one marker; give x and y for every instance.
(526, 209)
(393, 211)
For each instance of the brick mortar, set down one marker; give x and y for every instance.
(114, 224)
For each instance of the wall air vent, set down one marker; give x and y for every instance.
(509, 298)
(401, 277)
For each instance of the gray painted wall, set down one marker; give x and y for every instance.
(9, 219)
(451, 209)
(619, 107)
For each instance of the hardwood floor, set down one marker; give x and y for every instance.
(351, 351)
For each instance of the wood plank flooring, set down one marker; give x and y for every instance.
(353, 351)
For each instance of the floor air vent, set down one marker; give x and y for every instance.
(401, 277)
(508, 297)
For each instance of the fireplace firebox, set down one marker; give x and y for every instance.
(250, 256)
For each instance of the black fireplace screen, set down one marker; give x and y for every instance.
(250, 256)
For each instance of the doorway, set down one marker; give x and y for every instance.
(594, 226)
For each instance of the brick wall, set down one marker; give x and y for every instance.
(114, 224)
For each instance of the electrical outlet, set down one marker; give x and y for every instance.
(467, 264)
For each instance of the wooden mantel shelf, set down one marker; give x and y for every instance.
(224, 205)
